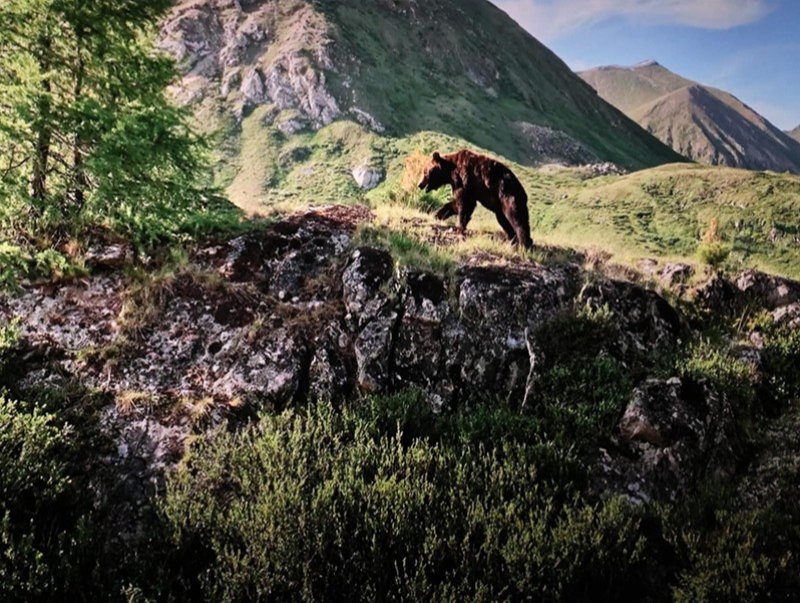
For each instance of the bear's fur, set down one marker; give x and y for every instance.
(480, 179)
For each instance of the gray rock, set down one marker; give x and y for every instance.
(420, 353)
(269, 372)
(371, 314)
(108, 256)
(769, 292)
(788, 316)
(673, 434)
(289, 127)
(253, 87)
(487, 347)
(364, 281)
(330, 373)
(646, 322)
(675, 274)
(716, 294)
(367, 177)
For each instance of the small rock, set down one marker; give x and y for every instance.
(109, 257)
(788, 316)
(675, 274)
(253, 87)
(367, 177)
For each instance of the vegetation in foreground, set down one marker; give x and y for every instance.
(381, 498)
(385, 499)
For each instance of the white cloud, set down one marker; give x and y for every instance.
(550, 19)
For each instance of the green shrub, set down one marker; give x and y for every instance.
(712, 249)
(9, 338)
(315, 505)
(714, 253)
(729, 375)
(781, 364)
(17, 263)
(730, 561)
(32, 482)
(581, 389)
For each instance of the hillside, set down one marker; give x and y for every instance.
(272, 71)
(795, 133)
(341, 398)
(702, 123)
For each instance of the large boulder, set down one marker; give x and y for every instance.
(420, 354)
(767, 291)
(673, 435)
(367, 177)
(499, 307)
(372, 315)
(646, 322)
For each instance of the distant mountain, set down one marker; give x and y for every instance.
(795, 133)
(703, 123)
(462, 68)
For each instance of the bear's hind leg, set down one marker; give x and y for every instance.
(518, 218)
(506, 225)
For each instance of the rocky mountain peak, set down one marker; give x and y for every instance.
(253, 52)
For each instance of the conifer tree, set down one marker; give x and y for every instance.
(87, 133)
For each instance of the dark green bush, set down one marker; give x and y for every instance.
(32, 482)
(732, 559)
(316, 505)
(781, 364)
(582, 389)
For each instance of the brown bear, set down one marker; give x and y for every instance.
(477, 178)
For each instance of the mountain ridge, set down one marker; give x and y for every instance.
(703, 123)
(393, 68)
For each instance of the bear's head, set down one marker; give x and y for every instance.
(438, 173)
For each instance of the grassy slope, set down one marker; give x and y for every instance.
(663, 212)
(660, 212)
(415, 68)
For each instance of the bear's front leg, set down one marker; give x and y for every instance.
(465, 209)
(447, 212)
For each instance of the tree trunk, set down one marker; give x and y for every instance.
(43, 130)
(79, 180)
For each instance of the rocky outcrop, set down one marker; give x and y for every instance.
(751, 290)
(555, 146)
(295, 311)
(646, 322)
(372, 315)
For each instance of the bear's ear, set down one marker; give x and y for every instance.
(436, 157)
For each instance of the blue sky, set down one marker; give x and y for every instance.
(750, 48)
